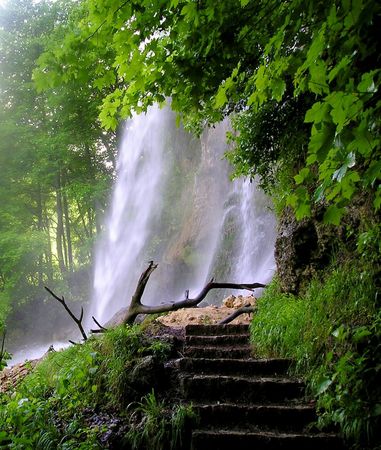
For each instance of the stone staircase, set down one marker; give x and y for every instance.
(244, 403)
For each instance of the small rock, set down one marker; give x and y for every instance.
(229, 301)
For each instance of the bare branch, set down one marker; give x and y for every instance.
(2, 352)
(136, 307)
(143, 280)
(99, 325)
(247, 309)
(76, 320)
(81, 316)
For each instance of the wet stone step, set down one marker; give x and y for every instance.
(219, 340)
(259, 417)
(240, 389)
(228, 366)
(243, 440)
(214, 330)
(235, 352)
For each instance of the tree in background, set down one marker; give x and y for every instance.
(56, 167)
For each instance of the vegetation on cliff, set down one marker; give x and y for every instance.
(333, 333)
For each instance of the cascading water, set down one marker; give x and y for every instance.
(173, 203)
(135, 206)
(257, 234)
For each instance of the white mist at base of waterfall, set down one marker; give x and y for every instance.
(27, 353)
(173, 203)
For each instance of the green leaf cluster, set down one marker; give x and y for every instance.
(215, 58)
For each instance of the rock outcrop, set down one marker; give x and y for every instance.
(301, 249)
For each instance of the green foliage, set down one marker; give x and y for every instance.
(348, 382)
(57, 165)
(258, 57)
(333, 333)
(270, 143)
(47, 410)
(50, 408)
(152, 429)
(155, 426)
(369, 243)
(122, 348)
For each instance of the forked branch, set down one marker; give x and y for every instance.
(136, 307)
(101, 328)
(78, 321)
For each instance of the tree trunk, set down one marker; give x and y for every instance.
(48, 253)
(83, 220)
(40, 226)
(95, 204)
(67, 226)
(60, 227)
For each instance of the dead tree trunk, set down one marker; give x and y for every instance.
(136, 307)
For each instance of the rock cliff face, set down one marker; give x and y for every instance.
(301, 249)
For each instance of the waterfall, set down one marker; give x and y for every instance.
(173, 203)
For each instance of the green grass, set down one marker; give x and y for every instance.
(157, 426)
(333, 334)
(50, 408)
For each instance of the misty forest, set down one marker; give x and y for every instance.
(190, 244)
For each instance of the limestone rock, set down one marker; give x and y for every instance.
(302, 248)
(228, 302)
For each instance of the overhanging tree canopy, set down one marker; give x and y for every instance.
(212, 58)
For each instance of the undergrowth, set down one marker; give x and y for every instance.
(155, 426)
(333, 334)
(54, 407)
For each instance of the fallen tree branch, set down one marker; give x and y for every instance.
(246, 309)
(78, 321)
(136, 307)
(101, 328)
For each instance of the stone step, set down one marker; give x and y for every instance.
(231, 352)
(215, 330)
(255, 417)
(226, 440)
(208, 388)
(218, 340)
(228, 366)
